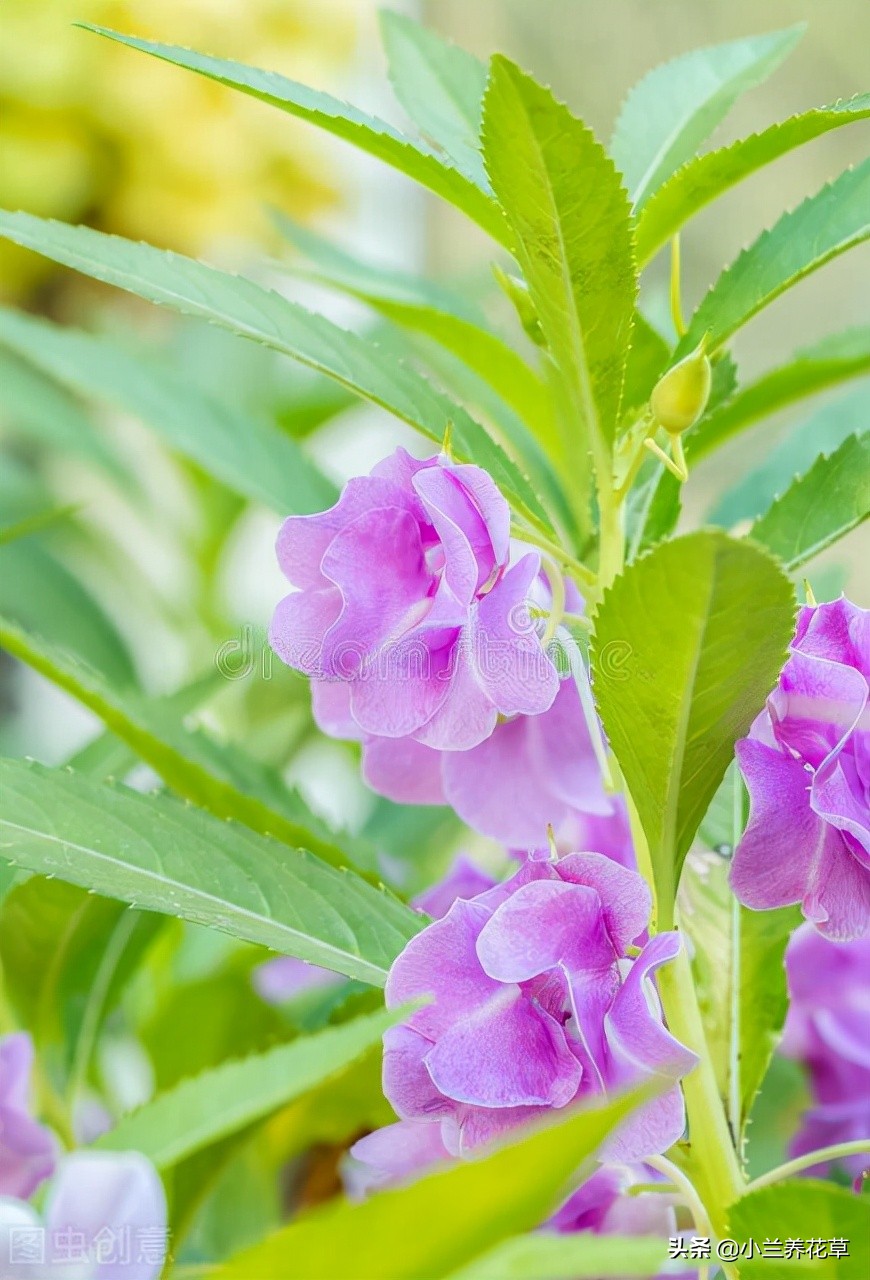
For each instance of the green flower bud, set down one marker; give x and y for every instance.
(680, 396)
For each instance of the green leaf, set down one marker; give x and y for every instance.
(648, 358)
(737, 961)
(401, 1235)
(221, 779)
(247, 454)
(674, 108)
(247, 309)
(822, 506)
(569, 220)
(825, 225)
(40, 594)
(35, 407)
(204, 1109)
(705, 621)
(415, 159)
(158, 854)
(66, 956)
(703, 179)
(796, 1210)
(579, 1256)
(836, 359)
(429, 309)
(440, 86)
(825, 430)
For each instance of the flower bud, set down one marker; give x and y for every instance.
(680, 396)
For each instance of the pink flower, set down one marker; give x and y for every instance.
(531, 772)
(407, 598)
(536, 1005)
(807, 766)
(27, 1149)
(828, 1030)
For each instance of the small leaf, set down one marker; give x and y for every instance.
(247, 454)
(825, 225)
(705, 621)
(795, 1210)
(569, 220)
(222, 779)
(739, 973)
(156, 853)
(704, 178)
(204, 1109)
(836, 359)
(401, 1234)
(35, 523)
(415, 159)
(249, 310)
(823, 505)
(674, 108)
(440, 86)
(579, 1255)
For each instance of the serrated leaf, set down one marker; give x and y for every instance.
(400, 1234)
(571, 233)
(835, 359)
(66, 955)
(427, 308)
(705, 621)
(415, 159)
(824, 431)
(703, 179)
(247, 454)
(675, 107)
(822, 506)
(737, 961)
(797, 1209)
(825, 225)
(251, 311)
(441, 87)
(39, 593)
(580, 1255)
(223, 780)
(158, 854)
(204, 1109)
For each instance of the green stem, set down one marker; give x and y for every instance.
(838, 1151)
(712, 1158)
(584, 577)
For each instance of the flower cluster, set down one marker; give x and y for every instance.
(535, 1004)
(807, 766)
(412, 617)
(828, 1030)
(104, 1216)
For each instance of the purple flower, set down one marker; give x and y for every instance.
(602, 1204)
(104, 1219)
(408, 597)
(27, 1149)
(285, 977)
(828, 1030)
(535, 1005)
(531, 772)
(807, 766)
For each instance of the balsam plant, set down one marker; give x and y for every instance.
(514, 628)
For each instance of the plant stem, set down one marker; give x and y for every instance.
(712, 1158)
(837, 1152)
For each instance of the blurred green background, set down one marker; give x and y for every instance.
(159, 575)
